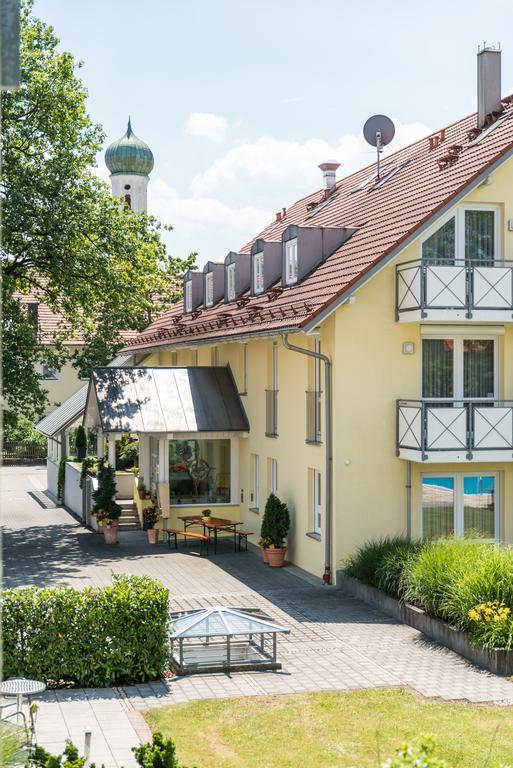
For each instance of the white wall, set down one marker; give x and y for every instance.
(72, 490)
(52, 472)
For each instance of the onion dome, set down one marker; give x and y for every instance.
(129, 155)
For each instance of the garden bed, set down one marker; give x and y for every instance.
(458, 592)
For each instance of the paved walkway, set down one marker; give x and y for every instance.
(335, 643)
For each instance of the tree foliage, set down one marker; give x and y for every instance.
(88, 257)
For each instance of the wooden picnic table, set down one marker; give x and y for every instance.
(215, 524)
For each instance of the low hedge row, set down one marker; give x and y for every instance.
(92, 637)
(467, 583)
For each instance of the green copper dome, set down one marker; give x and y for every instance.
(129, 155)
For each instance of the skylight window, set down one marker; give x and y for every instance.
(258, 272)
(370, 178)
(230, 282)
(390, 175)
(209, 289)
(291, 265)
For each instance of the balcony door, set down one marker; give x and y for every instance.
(470, 234)
(460, 505)
(457, 369)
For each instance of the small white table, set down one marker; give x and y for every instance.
(20, 687)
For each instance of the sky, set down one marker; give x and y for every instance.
(240, 100)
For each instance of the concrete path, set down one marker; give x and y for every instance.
(336, 642)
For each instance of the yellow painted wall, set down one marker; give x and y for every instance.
(66, 384)
(370, 372)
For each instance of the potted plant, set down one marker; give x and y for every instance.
(264, 545)
(206, 515)
(81, 443)
(275, 527)
(105, 509)
(142, 489)
(150, 517)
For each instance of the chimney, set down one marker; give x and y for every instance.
(488, 83)
(329, 174)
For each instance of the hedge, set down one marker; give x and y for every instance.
(92, 637)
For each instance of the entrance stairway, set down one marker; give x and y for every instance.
(129, 520)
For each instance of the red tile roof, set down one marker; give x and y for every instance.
(434, 172)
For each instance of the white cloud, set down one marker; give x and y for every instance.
(206, 124)
(272, 172)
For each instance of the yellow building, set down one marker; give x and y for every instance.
(395, 293)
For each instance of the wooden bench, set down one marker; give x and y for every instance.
(175, 532)
(243, 536)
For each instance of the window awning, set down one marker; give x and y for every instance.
(71, 409)
(177, 401)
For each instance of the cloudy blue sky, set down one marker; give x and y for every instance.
(241, 99)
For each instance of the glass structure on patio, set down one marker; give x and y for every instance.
(223, 639)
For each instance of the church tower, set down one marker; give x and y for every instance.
(130, 162)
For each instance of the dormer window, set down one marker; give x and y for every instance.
(291, 264)
(230, 282)
(188, 296)
(258, 272)
(209, 289)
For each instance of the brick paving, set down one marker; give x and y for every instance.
(335, 642)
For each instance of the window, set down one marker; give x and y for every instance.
(230, 282)
(258, 272)
(49, 373)
(272, 470)
(244, 370)
(214, 356)
(200, 471)
(460, 505)
(291, 271)
(128, 200)
(316, 501)
(209, 289)
(255, 482)
(470, 234)
(188, 296)
(457, 368)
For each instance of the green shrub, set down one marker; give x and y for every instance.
(409, 756)
(81, 442)
(105, 508)
(365, 564)
(159, 753)
(275, 522)
(92, 637)
(389, 572)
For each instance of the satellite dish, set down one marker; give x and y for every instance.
(378, 131)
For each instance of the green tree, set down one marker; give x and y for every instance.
(89, 258)
(105, 507)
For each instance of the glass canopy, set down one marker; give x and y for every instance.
(221, 622)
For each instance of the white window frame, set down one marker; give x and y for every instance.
(274, 476)
(209, 289)
(188, 295)
(230, 282)
(458, 339)
(316, 502)
(458, 214)
(291, 262)
(258, 272)
(459, 519)
(48, 373)
(255, 482)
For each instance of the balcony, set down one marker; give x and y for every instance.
(454, 289)
(454, 430)
(271, 412)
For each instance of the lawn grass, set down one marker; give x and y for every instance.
(331, 730)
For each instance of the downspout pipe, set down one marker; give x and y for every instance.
(328, 567)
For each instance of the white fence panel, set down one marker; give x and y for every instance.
(492, 287)
(445, 286)
(446, 428)
(493, 428)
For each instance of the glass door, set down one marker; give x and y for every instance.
(438, 369)
(479, 369)
(438, 504)
(479, 506)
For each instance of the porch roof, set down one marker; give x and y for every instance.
(165, 400)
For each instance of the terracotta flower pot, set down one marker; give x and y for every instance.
(152, 535)
(110, 532)
(276, 556)
(264, 552)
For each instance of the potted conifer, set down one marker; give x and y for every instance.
(275, 527)
(81, 443)
(150, 517)
(105, 509)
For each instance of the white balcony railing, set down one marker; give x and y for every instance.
(455, 430)
(454, 290)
